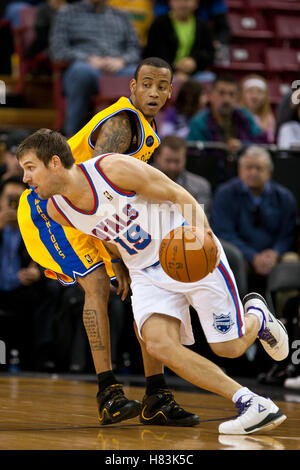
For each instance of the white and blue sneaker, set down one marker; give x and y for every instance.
(255, 414)
(272, 335)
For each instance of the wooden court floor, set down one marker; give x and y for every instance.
(58, 414)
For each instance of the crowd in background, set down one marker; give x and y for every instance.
(255, 217)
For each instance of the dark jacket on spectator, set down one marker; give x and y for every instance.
(234, 218)
(163, 42)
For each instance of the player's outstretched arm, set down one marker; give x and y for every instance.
(130, 174)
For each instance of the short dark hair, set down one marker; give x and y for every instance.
(46, 143)
(227, 78)
(11, 180)
(173, 142)
(154, 62)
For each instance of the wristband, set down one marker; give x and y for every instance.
(116, 260)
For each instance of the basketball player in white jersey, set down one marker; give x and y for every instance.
(131, 206)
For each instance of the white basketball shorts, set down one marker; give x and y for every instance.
(215, 298)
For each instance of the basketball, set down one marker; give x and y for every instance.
(185, 256)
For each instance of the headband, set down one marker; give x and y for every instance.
(255, 82)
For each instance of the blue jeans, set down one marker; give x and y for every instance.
(80, 83)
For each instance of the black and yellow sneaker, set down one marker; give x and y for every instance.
(114, 406)
(161, 409)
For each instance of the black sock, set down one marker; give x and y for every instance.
(105, 379)
(155, 382)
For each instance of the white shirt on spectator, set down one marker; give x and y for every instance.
(289, 135)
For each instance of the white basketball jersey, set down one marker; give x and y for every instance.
(134, 224)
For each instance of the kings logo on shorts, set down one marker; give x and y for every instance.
(222, 323)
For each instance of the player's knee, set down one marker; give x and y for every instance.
(159, 348)
(230, 349)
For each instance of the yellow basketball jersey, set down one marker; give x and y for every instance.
(64, 252)
(81, 143)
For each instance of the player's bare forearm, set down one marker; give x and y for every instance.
(114, 135)
(190, 209)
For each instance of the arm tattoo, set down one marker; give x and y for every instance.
(91, 324)
(114, 136)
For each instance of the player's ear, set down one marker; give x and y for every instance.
(170, 91)
(132, 85)
(56, 161)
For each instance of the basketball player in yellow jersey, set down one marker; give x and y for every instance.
(128, 124)
(125, 127)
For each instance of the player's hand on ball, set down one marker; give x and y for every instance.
(218, 255)
(188, 254)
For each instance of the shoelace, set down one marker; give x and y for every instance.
(169, 398)
(113, 391)
(243, 406)
(268, 337)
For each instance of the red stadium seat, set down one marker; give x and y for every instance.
(249, 26)
(275, 5)
(23, 37)
(282, 60)
(277, 90)
(235, 4)
(111, 88)
(58, 69)
(244, 58)
(287, 27)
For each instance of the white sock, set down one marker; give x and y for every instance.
(242, 391)
(258, 313)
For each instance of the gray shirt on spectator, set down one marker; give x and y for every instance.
(80, 32)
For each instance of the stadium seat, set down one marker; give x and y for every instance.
(58, 69)
(286, 27)
(249, 26)
(275, 5)
(283, 277)
(235, 4)
(23, 37)
(282, 60)
(277, 90)
(111, 88)
(244, 58)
